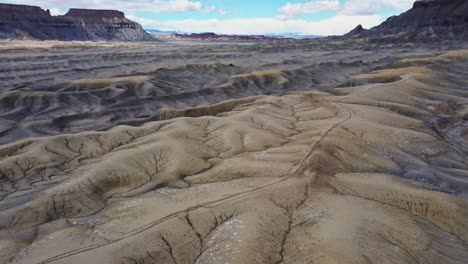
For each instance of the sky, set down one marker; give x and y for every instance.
(312, 17)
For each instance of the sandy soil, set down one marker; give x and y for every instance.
(252, 153)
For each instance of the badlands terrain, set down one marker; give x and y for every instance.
(305, 151)
(220, 149)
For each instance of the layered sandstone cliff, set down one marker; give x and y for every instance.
(31, 22)
(427, 20)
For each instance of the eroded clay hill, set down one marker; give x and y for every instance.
(374, 171)
(56, 88)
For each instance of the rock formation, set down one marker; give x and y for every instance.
(31, 22)
(427, 20)
(358, 31)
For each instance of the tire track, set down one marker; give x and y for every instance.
(315, 146)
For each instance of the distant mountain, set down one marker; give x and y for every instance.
(427, 20)
(293, 35)
(155, 31)
(32, 22)
(210, 36)
(269, 35)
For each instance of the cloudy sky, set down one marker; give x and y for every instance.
(318, 17)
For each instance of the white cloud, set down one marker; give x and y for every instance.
(289, 10)
(56, 12)
(350, 7)
(365, 7)
(154, 6)
(333, 26)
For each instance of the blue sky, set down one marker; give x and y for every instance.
(318, 17)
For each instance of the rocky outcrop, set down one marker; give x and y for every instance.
(427, 20)
(31, 22)
(358, 31)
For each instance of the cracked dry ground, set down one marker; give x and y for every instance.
(359, 174)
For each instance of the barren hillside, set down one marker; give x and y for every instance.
(233, 154)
